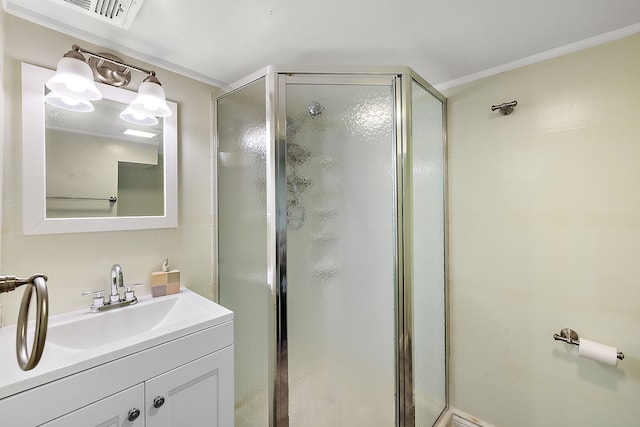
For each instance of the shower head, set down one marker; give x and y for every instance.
(294, 124)
(315, 110)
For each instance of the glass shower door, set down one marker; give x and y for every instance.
(242, 242)
(428, 253)
(341, 250)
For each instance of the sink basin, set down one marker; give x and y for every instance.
(89, 330)
(81, 340)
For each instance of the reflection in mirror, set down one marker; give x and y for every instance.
(98, 165)
(82, 172)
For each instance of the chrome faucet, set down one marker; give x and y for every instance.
(117, 281)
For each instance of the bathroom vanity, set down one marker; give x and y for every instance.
(161, 362)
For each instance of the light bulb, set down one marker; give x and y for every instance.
(71, 102)
(131, 116)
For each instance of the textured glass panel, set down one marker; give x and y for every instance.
(242, 244)
(340, 255)
(428, 256)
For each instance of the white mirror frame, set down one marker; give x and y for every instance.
(34, 216)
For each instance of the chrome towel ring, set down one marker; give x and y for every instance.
(39, 283)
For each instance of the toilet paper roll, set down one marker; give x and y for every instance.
(600, 352)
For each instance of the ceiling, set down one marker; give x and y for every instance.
(447, 41)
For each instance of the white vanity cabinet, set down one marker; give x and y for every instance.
(195, 394)
(178, 372)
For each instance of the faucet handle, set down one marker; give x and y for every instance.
(98, 300)
(129, 294)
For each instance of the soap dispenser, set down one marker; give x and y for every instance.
(165, 282)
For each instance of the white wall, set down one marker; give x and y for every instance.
(82, 261)
(545, 234)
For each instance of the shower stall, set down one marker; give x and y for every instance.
(331, 245)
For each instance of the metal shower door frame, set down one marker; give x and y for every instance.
(277, 235)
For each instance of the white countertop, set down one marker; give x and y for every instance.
(81, 340)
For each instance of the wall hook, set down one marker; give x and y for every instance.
(505, 108)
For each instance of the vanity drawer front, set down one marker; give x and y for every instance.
(114, 410)
(84, 388)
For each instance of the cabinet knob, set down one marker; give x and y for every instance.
(158, 401)
(133, 414)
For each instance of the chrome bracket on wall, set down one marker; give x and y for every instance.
(505, 108)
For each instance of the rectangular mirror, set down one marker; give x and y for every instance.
(82, 172)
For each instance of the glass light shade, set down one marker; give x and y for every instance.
(68, 103)
(151, 101)
(74, 79)
(128, 115)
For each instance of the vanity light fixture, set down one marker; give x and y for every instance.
(151, 100)
(73, 87)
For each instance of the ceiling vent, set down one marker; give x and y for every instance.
(117, 12)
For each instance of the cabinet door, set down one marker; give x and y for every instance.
(197, 394)
(113, 411)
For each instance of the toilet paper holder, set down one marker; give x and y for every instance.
(570, 336)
